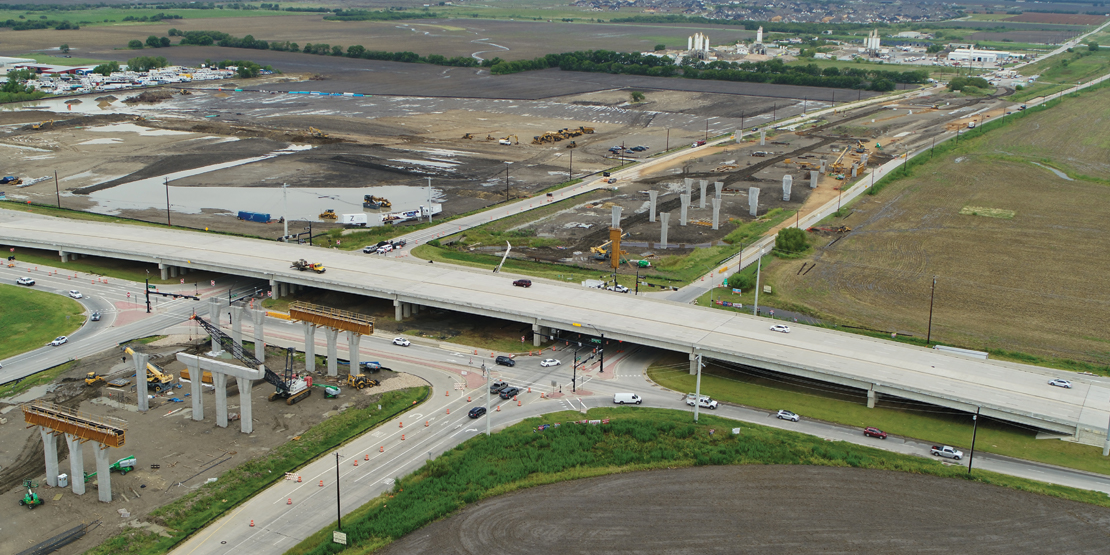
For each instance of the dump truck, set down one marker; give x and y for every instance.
(303, 265)
(360, 381)
(123, 466)
(156, 378)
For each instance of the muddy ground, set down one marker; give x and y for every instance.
(765, 509)
(187, 452)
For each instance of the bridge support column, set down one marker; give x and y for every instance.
(693, 364)
(219, 380)
(664, 219)
(397, 311)
(704, 189)
(246, 424)
(332, 335)
(685, 199)
(406, 310)
(275, 292)
(415, 309)
(173, 271)
(259, 318)
(63, 255)
(50, 448)
(537, 335)
(353, 340)
(141, 360)
(309, 347)
(718, 188)
(165, 270)
(103, 477)
(76, 463)
(762, 137)
(871, 396)
(215, 306)
(716, 212)
(196, 391)
(237, 325)
(652, 197)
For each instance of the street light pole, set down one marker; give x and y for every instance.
(932, 295)
(167, 180)
(338, 511)
(758, 269)
(487, 373)
(974, 432)
(285, 209)
(697, 391)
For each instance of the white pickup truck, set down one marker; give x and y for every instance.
(947, 452)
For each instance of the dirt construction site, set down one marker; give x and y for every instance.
(174, 453)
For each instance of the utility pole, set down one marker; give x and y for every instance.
(758, 268)
(429, 200)
(974, 432)
(570, 169)
(707, 131)
(285, 210)
(932, 294)
(57, 189)
(601, 352)
(338, 511)
(775, 113)
(168, 202)
(506, 182)
(697, 391)
(668, 147)
(309, 228)
(574, 378)
(487, 373)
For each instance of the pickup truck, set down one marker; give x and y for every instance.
(947, 452)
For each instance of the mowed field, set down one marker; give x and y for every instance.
(1019, 253)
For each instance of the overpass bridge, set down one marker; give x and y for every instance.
(1006, 391)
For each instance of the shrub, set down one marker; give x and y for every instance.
(791, 240)
(135, 44)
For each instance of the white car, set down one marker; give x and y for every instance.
(704, 401)
(25, 281)
(549, 362)
(617, 288)
(384, 249)
(401, 341)
(787, 415)
(75, 294)
(59, 340)
(781, 328)
(1058, 382)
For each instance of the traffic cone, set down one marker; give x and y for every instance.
(252, 523)
(366, 458)
(402, 437)
(448, 411)
(529, 390)
(425, 423)
(298, 478)
(498, 408)
(356, 462)
(381, 448)
(289, 501)
(321, 483)
(514, 397)
(447, 393)
(518, 403)
(541, 395)
(400, 424)
(467, 398)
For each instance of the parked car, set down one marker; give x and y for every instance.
(401, 341)
(95, 317)
(787, 415)
(783, 328)
(1060, 382)
(617, 288)
(476, 412)
(523, 283)
(59, 340)
(704, 401)
(505, 361)
(946, 452)
(370, 249)
(509, 392)
(874, 432)
(399, 243)
(75, 294)
(497, 386)
(25, 281)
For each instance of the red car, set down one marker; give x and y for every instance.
(523, 283)
(874, 432)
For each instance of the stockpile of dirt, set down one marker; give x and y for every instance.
(150, 97)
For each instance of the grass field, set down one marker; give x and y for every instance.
(31, 319)
(634, 439)
(114, 16)
(107, 267)
(1056, 77)
(833, 403)
(42, 378)
(1028, 284)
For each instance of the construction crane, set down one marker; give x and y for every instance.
(157, 379)
(293, 390)
(835, 167)
(603, 253)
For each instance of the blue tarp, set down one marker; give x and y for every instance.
(254, 217)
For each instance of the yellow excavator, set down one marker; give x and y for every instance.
(157, 379)
(317, 133)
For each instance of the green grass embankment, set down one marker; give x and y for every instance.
(635, 439)
(199, 508)
(31, 319)
(14, 388)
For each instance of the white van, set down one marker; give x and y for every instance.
(623, 398)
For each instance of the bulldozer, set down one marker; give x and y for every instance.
(328, 214)
(317, 133)
(92, 378)
(468, 136)
(360, 381)
(303, 265)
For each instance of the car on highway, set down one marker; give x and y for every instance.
(476, 412)
(617, 288)
(59, 340)
(704, 401)
(75, 294)
(401, 341)
(1060, 382)
(873, 432)
(25, 281)
(497, 386)
(95, 317)
(787, 415)
(549, 362)
(509, 392)
(522, 283)
(505, 361)
(782, 328)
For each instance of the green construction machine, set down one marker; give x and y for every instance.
(123, 466)
(31, 499)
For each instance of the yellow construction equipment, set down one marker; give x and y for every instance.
(205, 377)
(468, 136)
(40, 125)
(92, 378)
(303, 265)
(156, 378)
(317, 133)
(507, 140)
(328, 214)
(836, 166)
(572, 144)
(360, 381)
(860, 147)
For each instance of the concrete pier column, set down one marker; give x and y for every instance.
(173, 271)
(332, 336)
(718, 188)
(353, 339)
(685, 208)
(537, 335)
(103, 475)
(415, 309)
(664, 219)
(219, 380)
(653, 196)
(813, 179)
(237, 325)
(753, 200)
(215, 308)
(140, 380)
(76, 464)
(62, 254)
(398, 310)
(196, 391)
(824, 163)
(739, 135)
(871, 396)
(165, 270)
(855, 168)
(688, 183)
(762, 137)
(258, 317)
(787, 185)
(50, 448)
(406, 310)
(309, 347)
(246, 423)
(704, 188)
(693, 364)
(863, 160)
(716, 213)
(275, 292)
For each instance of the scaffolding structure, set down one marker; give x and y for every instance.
(332, 318)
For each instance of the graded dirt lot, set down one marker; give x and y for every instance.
(764, 509)
(1015, 248)
(186, 452)
(1059, 18)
